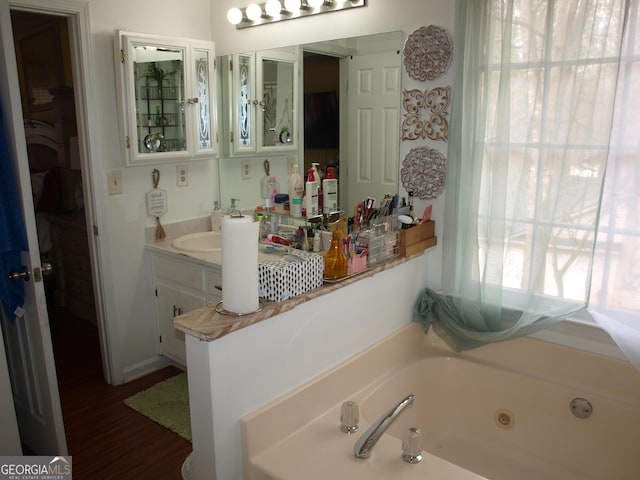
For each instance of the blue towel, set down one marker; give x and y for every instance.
(13, 238)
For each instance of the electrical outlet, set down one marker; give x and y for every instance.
(114, 181)
(182, 174)
(245, 169)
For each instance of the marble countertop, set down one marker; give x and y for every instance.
(208, 324)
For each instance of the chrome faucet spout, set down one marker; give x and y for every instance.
(366, 442)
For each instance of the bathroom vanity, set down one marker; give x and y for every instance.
(182, 284)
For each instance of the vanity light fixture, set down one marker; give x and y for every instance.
(278, 10)
(273, 8)
(254, 12)
(292, 6)
(235, 16)
(316, 3)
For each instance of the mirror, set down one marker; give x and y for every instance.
(349, 109)
(277, 102)
(159, 92)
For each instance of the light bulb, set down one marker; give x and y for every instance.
(234, 16)
(273, 8)
(315, 3)
(254, 12)
(292, 6)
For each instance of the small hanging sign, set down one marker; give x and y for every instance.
(157, 203)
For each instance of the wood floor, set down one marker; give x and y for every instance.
(107, 439)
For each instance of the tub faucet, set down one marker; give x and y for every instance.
(366, 442)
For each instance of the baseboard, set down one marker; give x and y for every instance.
(131, 372)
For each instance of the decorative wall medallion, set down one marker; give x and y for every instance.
(425, 114)
(427, 53)
(424, 172)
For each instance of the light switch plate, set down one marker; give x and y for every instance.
(182, 174)
(114, 182)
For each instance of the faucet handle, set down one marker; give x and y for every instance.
(349, 417)
(412, 446)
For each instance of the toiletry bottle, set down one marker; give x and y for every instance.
(316, 175)
(330, 192)
(316, 241)
(296, 192)
(311, 193)
(336, 262)
(296, 187)
(216, 217)
(270, 190)
(296, 207)
(318, 181)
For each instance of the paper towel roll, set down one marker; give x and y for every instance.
(240, 264)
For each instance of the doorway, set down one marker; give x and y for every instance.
(321, 112)
(43, 55)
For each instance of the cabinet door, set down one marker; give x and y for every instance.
(167, 98)
(170, 302)
(213, 285)
(202, 104)
(263, 105)
(243, 103)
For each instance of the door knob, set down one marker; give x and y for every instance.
(17, 276)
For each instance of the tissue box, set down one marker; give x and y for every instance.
(280, 279)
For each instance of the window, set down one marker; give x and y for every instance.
(560, 149)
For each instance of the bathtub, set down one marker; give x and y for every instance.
(519, 410)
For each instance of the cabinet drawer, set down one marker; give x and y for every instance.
(178, 272)
(213, 282)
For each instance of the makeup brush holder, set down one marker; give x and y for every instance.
(380, 240)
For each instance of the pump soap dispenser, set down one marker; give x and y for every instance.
(330, 192)
(311, 194)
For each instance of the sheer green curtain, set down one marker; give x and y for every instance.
(533, 102)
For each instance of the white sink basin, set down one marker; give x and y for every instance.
(199, 242)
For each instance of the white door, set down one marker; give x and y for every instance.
(373, 135)
(28, 340)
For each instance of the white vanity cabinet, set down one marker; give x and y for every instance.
(167, 91)
(181, 285)
(263, 90)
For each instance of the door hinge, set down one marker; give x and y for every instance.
(127, 142)
(123, 55)
(230, 65)
(231, 136)
(156, 292)
(215, 63)
(160, 338)
(94, 228)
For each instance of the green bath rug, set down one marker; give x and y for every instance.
(166, 403)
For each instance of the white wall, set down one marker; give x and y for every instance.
(130, 300)
(130, 303)
(238, 373)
